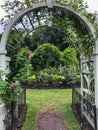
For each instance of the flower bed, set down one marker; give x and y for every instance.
(34, 85)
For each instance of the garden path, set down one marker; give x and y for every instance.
(51, 120)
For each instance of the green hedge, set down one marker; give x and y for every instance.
(46, 55)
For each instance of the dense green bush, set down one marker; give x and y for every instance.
(50, 66)
(46, 55)
(23, 62)
(69, 57)
(22, 56)
(71, 74)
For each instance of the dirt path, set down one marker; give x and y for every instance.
(51, 120)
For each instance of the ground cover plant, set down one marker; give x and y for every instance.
(42, 100)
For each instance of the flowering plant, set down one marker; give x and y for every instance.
(24, 55)
(10, 92)
(23, 61)
(32, 78)
(30, 54)
(58, 77)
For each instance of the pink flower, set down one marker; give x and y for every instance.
(30, 52)
(13, 85)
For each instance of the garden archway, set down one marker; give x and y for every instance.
(25, 18)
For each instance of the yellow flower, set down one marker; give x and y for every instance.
(32, 77)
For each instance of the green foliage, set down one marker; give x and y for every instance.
(49, 65)
(27, 2)
(75, 33)
(69, 57)
(23, 61)
(46, 34)
(61, 75)
(44, 78)
(10, 92)
(78, 5)
(2, 82)
(50, 76)
(71, 74)
(23, 73)
(30, 2)
(47, 72)
(2, 72)
(46, 55)
(13, 39)
(67, 30)
(22, 57)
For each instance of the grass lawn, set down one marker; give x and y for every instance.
(42, 100)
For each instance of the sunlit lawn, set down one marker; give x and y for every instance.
(42, 100)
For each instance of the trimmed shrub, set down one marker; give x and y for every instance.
(45, 56)
(69, 58)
